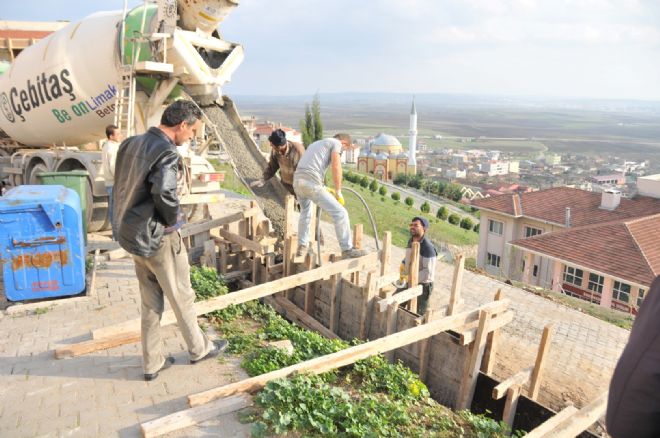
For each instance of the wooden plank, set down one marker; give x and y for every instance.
(91, 290)
(510, 405)
(553, 422)
(309, 287)
(190, 417)
(518, 379)
(244, 242)
(539, 365)
(386, 279)
(92, 345)
(467, 337)
(386, 253)
(345, 357)
(223, 256)
(289, 310)
(334, 299)
(209, 254)
(401, 297)
(369, 293)
(488, 362)
(579, 421)
(471, 372)
(252, 293)
(456, 284)
(200, 227)
(257, 261)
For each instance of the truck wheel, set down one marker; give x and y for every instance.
(97, 216)
(38, 168)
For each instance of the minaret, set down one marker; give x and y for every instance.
(412, 143)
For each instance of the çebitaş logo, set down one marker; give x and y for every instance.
(5, 104)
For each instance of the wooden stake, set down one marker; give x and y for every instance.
(91, 290)
(190, 417)
(92, 345)
(357, 243)
(223, 257)
(348, 356)
(413, 273)
(334, 299)
(518, 379)
(510, 405)
(257, 261)
(488, 362)
(390, 327)
(429, 316)
(469, 381)
(290, 226)
(535, 386)
(309, 287)
(369, 292)
(456, 283)
(386, 253)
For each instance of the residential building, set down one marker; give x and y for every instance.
(596, 246)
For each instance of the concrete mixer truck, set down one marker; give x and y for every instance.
(117, 67)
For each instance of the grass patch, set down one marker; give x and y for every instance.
(395, 216)
(231, 182)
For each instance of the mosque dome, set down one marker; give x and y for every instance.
(403, 155)
(381, 156)
(386, 143)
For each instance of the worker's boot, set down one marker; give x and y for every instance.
(301, 251)
(353, 253)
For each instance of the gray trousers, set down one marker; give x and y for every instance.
(167, 274)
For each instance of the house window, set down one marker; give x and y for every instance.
(596, 283)
(495, 227)
(621, 291)
(535, 273)
(531, 231)
(573, 275)
(640, 296)
(493, 260)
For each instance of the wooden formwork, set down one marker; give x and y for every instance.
(341, 299)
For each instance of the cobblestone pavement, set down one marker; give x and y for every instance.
(103, 394)
(100, 394)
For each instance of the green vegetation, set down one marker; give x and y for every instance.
(425, 207)
(443, 213)
(392, 215)
(371, 398)
(311, 126)
(232, 182)
(396, 196)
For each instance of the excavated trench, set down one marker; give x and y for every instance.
(248, 163)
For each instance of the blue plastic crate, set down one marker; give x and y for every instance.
(42, 250)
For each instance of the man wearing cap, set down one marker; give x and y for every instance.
(284, 156)
(427, 260)
(308, 182)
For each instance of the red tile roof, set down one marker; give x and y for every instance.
(14, 33)
(550, 205)
(624, 249)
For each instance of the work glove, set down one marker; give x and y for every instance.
(338, 196)
(257, 184)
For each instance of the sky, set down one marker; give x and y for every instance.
(605, 49)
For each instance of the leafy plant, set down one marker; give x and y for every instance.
(409, 201)
(454, 219)
(396, 196)
(425, 207)
(382, 190)
(442, 213)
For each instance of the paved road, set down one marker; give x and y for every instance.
(419, 197)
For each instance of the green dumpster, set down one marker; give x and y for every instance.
(75, 180)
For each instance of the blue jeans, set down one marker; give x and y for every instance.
(310, 191)
(109, 189)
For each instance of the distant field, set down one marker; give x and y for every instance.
(395, 217)
(622, 129)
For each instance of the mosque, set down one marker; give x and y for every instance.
(384, 156)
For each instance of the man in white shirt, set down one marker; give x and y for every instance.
(309, 187)
(108, 157)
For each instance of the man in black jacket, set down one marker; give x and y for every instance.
(148, 218)
(633, 408)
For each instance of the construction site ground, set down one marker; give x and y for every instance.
(104, 394)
